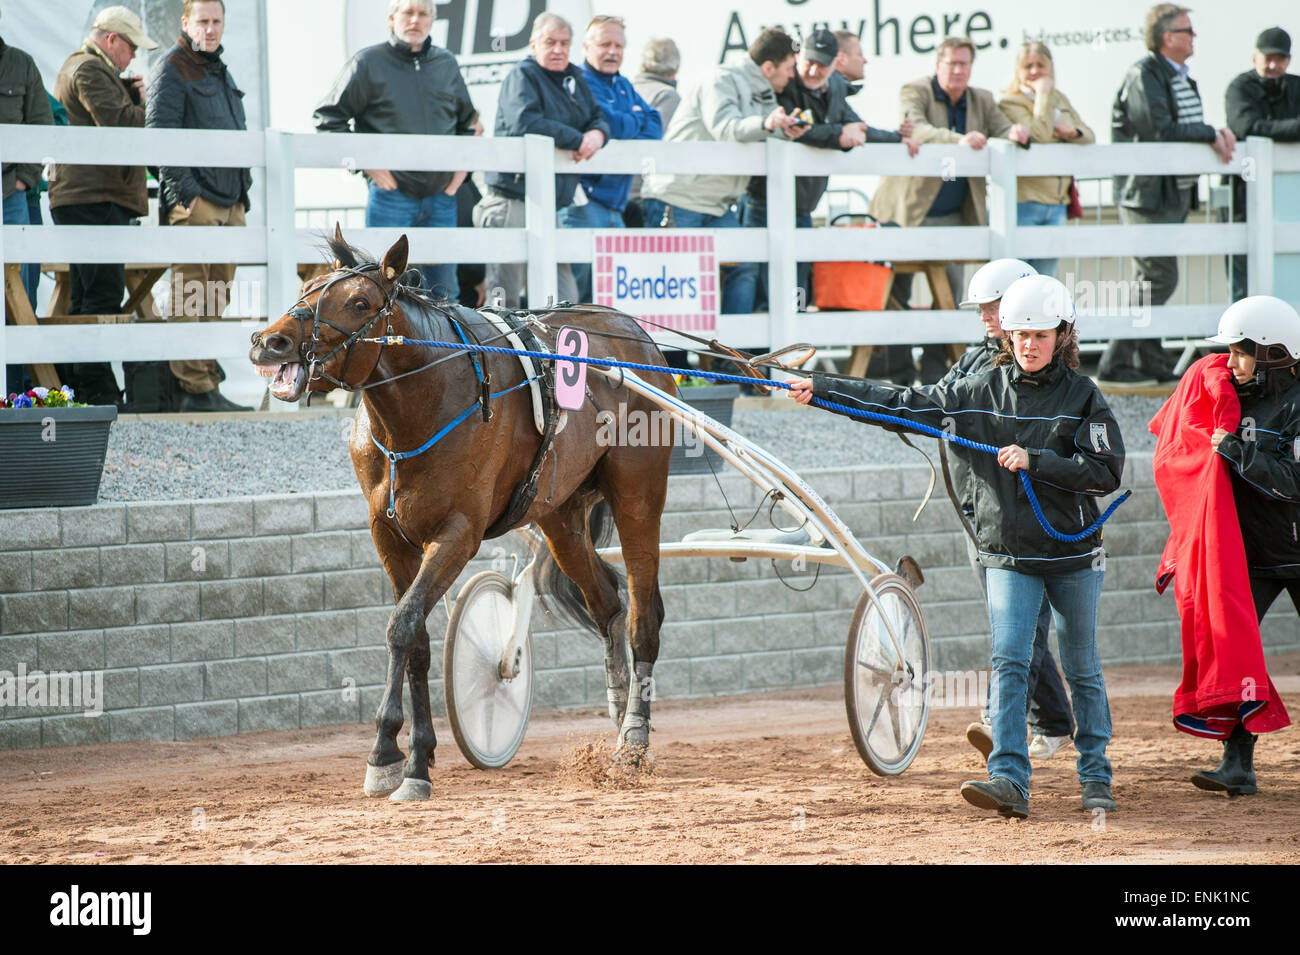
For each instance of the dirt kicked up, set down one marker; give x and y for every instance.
(770, 778)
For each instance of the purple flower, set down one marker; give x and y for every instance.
(22, 401)
(41, 392)
(67, 392)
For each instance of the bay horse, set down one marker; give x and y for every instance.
(428, 526)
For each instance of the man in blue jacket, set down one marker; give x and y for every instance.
(600, 200)
(543, 94)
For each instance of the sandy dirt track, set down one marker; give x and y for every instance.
(768, 778)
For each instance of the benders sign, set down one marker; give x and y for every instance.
(671, 280)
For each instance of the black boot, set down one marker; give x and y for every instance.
(1236, 774)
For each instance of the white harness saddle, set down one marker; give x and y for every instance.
(531, 372)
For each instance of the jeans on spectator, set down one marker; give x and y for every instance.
(754, 216)
(1040, 213)
(507, 280)
(739, 282)
(1015, 600)
(1049, 706)
(592, 215)
(652, 212)
(392, 208)
(95, 289)
(17, 212)
(1162, 274)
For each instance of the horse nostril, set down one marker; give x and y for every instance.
(278, 344)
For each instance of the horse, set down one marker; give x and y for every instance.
(430, 512)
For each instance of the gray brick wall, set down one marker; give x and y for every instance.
(253, 614)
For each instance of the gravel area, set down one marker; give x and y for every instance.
(157, 459)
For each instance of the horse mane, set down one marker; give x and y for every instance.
(419, 305)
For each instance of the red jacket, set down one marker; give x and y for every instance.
(1224, 677)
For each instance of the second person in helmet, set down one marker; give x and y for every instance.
(1051, 422)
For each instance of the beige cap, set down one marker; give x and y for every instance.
(123, 21)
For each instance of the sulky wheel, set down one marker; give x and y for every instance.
(488, 712)
(886, 698)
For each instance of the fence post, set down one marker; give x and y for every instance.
(1257, 170)
(281, 233)
(1001, 200)
(539, 219)
(782, 275)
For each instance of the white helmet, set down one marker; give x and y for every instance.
(991, 280)
(1267, 321)
(1036, 301)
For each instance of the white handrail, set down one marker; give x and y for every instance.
(271, 237)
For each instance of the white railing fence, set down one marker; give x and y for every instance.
(273, 239)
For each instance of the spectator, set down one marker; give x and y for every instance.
(25, 104)
(945, 109)
(733, 104)
(543, 94)
(657, 85)
(1033, 100)
(406, 85)
(849, 61)
(1157, 102)
(1263, 101)
(90, 86)
(628, 116)
(192, 89)
(822, 95)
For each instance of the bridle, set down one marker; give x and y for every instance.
(302, 312)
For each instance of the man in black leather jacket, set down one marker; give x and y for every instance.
(191, 89)
(406, 85)
(1263, 101)
(1157, 102)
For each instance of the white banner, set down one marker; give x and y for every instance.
(671, 280)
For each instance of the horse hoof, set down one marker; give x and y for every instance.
(381, 780)
(412, 790)
(634, 757)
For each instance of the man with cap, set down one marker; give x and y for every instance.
(1263, 101)
(819, 94)
(192, 89)
(91, 88)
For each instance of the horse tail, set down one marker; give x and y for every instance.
(560, 588)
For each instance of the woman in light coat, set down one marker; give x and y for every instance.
(1033, 100)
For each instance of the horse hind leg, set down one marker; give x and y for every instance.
(569, 538)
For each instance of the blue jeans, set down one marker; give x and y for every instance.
(15, 212)
(1040, 213)
(754, 216)
(652, 211)
(739, 282)
(593, 215)
(392, 208)
(1014, 602)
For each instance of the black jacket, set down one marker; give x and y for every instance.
(386, 88)
(191, 89)
(1076, 454)
(1145, 112)
(831, 113)
(547, 103)
(1260, 107)
(1265, 465)
(977, 360)
(22, 100)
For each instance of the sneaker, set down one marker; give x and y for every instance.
(1097, 796)
(1125, 376)
(980, 735)
(997, 793)
(1045, 747)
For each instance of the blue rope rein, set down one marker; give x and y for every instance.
(820, 402)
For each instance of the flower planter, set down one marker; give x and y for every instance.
(717, 402)
(55, 455)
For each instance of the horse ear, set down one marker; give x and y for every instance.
(339, 243)
(395, 259)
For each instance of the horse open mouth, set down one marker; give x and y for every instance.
(287, 380)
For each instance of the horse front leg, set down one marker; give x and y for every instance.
(408, 647)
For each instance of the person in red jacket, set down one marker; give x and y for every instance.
(1233, 543)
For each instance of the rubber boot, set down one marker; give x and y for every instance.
(1235, 775)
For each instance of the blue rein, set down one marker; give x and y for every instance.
(741, 379)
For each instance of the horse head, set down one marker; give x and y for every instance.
(320, 343)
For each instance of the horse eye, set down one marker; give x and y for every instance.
(360, 303)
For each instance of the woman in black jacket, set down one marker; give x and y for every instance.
(1052, 423)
